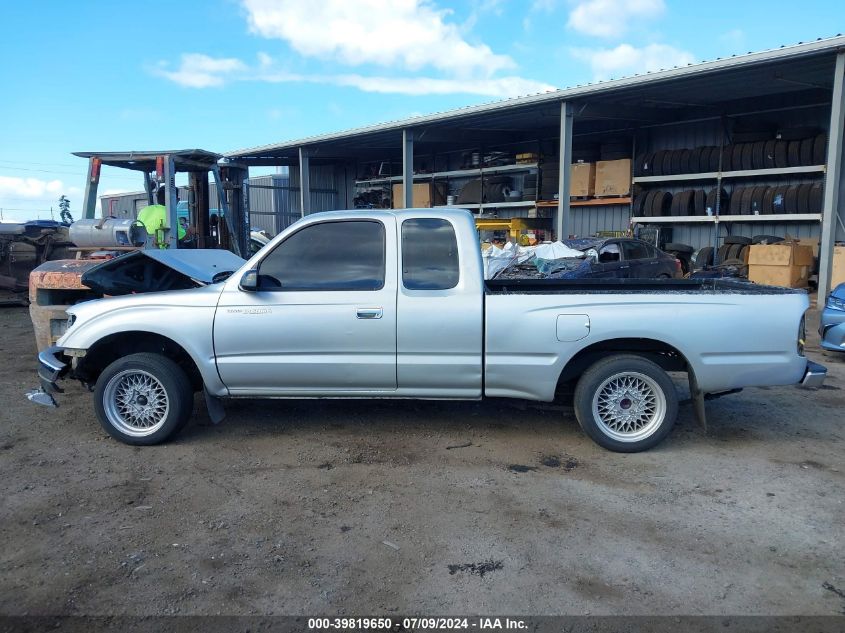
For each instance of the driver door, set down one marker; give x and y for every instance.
(323, 318)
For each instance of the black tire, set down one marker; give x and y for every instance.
(653, 381)
(816, 196)
(735, 205)
(732, 252)
(757, 200)
(713, 165)
(803, 204)
(737, 239)
(769, 155)
(767, 201)
(790, 204)
(661, 204)
(698, 156)
(806, 151)
(647, 203)
(178, 397)
(676, 247)
(657, 163)
(820, 149)
(779, 199)
(781, 154)
(675, 161)
(704, 257)
(667, 162)
(699, 202)
(793, 153)
(726, 157)
(758, 156)
(747, 156)
(685, 162)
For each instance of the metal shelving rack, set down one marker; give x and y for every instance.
(455, 173)
(745, 173)
(717, 177)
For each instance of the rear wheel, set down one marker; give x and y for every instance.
(143, 399)
(626, 403)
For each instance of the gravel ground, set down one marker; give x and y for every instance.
(362, 508)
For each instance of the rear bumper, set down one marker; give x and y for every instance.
(814, 375)
(51, 368)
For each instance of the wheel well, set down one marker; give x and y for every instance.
(663, 354)
(109, 349)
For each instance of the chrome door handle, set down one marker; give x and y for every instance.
(370, 313)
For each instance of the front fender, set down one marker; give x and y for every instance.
(190, 327)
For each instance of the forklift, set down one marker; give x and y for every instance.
(118, 256)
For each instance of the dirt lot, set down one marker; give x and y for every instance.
(331, 507)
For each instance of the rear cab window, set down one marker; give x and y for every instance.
(429, 254)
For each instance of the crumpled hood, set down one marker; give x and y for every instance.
(154, 270)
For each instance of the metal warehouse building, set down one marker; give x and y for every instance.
(747, 145)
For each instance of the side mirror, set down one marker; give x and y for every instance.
(249, 281)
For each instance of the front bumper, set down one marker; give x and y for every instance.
(814, 375)
(832, 330)
(51, 369)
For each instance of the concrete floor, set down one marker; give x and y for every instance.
(329, 507)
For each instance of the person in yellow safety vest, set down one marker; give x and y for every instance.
(154, 219)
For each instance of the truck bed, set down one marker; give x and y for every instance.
(633, 286)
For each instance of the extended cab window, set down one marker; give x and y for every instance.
(347, 255)
(429, 255)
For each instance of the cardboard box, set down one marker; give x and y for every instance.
(808, 241)
(582, 180)
(784, 264)
(613, 177)
(425, 195)
(838, 275)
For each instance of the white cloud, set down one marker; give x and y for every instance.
(611, 18)
(201, 71)
(409, 34)
(31, 188)
(492, 87)
(623, 60)
(265, 70)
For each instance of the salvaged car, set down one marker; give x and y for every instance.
(25, 245)
(393, 304)
(588, 258)
(832, 327)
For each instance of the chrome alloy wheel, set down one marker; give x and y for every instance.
(136, 402)
(629, 406)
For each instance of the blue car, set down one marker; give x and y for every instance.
(832, 328)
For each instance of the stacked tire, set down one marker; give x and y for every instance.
(775, 200)
(656, 202)
(762, 154)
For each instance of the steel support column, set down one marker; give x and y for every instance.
(89, 204)
(200, 207)
(171, 201)
(407, 169)
(833, 180)
(304, 182)
(563, 224)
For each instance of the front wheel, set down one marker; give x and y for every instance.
(143, 399)
(626, 403)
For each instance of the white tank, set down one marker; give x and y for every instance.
(107, 233)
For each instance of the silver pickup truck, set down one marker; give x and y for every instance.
(393, 304)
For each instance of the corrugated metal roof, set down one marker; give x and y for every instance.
(618, 87)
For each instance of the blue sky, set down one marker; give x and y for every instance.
(226, 74)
